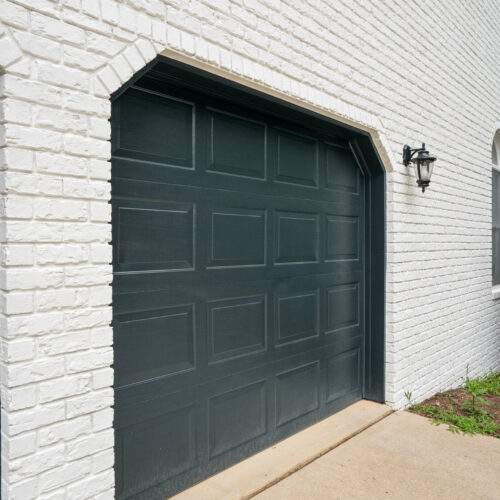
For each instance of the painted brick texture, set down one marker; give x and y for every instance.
(435, 80)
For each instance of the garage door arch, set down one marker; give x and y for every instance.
(248, 249)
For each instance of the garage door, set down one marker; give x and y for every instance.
(239, 275)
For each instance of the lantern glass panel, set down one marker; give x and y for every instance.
(416, 170)
(426, 167)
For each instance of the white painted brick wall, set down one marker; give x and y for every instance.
(435, 80)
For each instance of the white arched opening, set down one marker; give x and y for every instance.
(495, 159)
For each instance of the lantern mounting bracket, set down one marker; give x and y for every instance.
(409, 152)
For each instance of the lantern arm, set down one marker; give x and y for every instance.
(409, 153)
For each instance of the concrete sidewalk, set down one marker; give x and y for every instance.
(260, 471)
(403, 456)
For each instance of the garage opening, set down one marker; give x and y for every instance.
(248, 290)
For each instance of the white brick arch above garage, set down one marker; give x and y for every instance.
(60, 63)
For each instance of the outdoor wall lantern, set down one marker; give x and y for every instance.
(422, 164)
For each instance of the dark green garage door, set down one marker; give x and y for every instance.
(239, 283)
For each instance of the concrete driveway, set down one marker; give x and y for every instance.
(403, 456)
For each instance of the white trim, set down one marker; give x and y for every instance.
(348, 115)
(495, 143)
(495, 292)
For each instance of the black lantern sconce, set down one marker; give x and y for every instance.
(422, 164)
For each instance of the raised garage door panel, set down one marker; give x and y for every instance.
(238, 243)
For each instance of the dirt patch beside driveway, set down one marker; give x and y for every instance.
(456, 401)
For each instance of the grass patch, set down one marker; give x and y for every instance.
(472, 409)
(489, 385)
